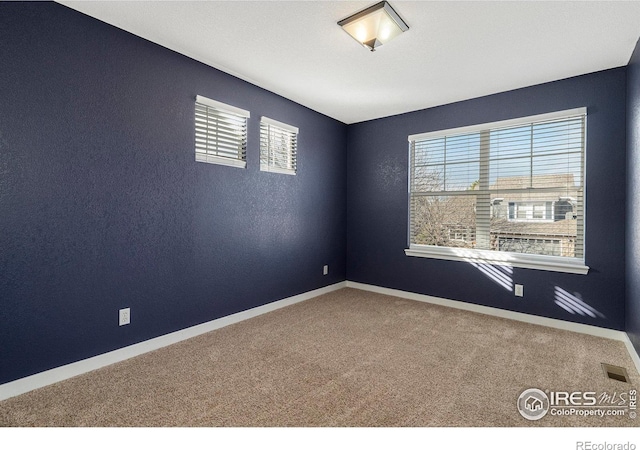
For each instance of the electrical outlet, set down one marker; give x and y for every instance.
(519, 290)
(325, 270)
(124, 316)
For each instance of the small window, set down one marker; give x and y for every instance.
(278, 146)
(221, 133)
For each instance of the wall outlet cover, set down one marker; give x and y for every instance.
(124, 316)
(519, 290)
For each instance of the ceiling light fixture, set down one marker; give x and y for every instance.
(375, 25)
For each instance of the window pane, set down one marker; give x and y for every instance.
(428, 179)
(429, 152)
(450, 164)
(447, 221)
(462, 176)
(565, 170)
(510, 143)
(463, 148)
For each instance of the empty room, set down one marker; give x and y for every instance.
(319, 214)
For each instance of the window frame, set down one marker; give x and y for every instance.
(241, 160)
(292, 148)
(493, 257)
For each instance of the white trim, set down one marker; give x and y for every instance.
(282, 125)
(632, 351)
(267, 168)
(492, 257)
(61, 373)
(506, 314)
(498, 124)
(213, 159)
(222, 106)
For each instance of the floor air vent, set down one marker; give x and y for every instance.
(615, 372)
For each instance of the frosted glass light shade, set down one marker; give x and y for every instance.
(374, 26)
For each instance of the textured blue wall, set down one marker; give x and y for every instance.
(633, 199)
(377, 218)
(102, 205)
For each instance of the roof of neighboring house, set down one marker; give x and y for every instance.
(563, 181)
(561, 228)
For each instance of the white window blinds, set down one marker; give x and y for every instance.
(221, 133)
(278, 146)
(512, 186)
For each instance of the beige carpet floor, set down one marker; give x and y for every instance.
(345, 359)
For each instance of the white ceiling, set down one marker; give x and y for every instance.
(452, 51)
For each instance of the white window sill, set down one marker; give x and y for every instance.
(520, 260)
(264, 168)
(211, 159)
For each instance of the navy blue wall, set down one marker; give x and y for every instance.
(377, 218)
(633, 201)
(102, 205)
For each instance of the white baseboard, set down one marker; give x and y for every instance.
(57, 374)
(522, 317)
(632, 351)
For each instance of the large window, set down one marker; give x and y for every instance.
(509, 192)
(221, 133)
(278, 146)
